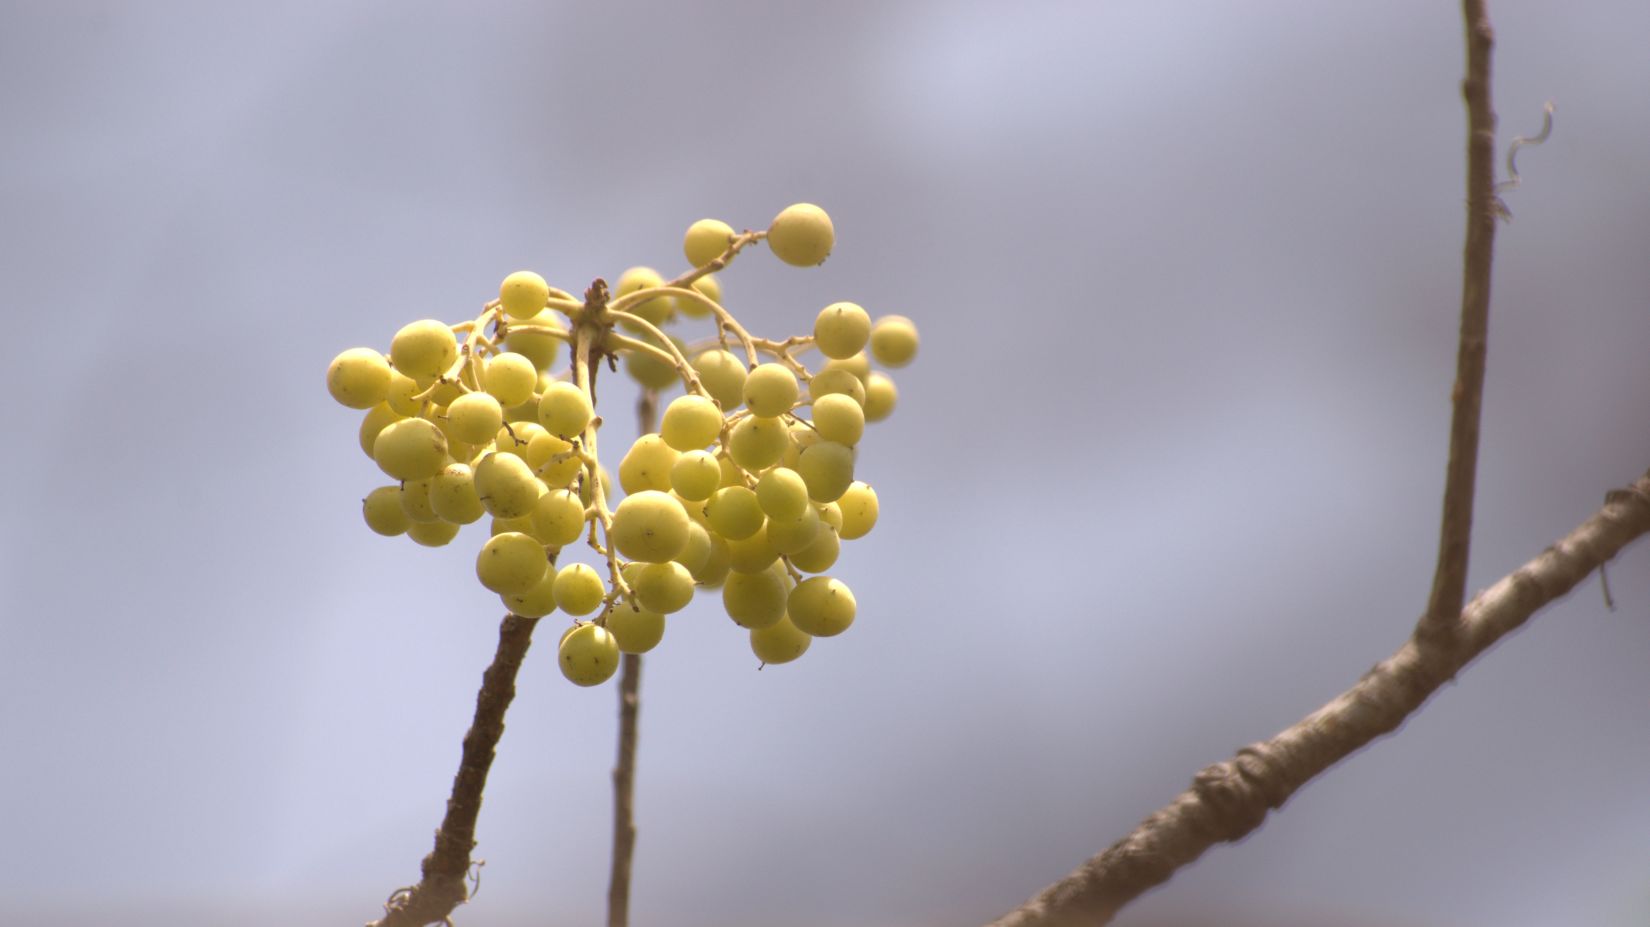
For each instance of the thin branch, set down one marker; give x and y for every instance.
(445, 870)
(1230, 799)
(1449, 582)
(624, 771)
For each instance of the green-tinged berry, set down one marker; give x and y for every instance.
(383, 513)
(782, 494)
(821, 606)
(880, 396)
(649, 526)
(859, 365)
(822, 553)
(894, 340)
(707, 286)
(511, 378)
(374, 422)
(647, 465)
(753, 554)
(757, 443)
(841, 330)
(706, 240)
(827, 468)
(754, 600)
(770, 390)
(830, 381)
(588, 655)
(432, 533)
(539, 347)
(695, 475)
(564, 410)
(837, 417)
(663, 587)
(635, 630)
(657, 310)
(558, 517)
(780, 642)
(723, 376)
(690, 423)
(535, 602)
(511, 563)
(859, 510)
(410, 449)
(792, 535)
(734, 513)
(652, 371)
(578, 589)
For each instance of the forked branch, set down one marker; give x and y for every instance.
(1230, 799)
(1449, 582)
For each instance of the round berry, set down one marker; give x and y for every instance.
(894, 341)
(589, 655)
(706, 240)
(801, 235)
(841, 330)
(523, 294)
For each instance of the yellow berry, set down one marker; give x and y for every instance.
(802, 235)
(705, 241)
(523, 294)
(588, 655)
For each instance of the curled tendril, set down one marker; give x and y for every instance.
(1513, 179)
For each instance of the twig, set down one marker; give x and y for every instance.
(1230, 799)
(1449, 581)
(624, 770)
(445, 870)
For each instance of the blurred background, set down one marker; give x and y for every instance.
(1164, 478)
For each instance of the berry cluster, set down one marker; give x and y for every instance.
(748, 485)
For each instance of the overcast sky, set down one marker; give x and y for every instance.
(1163, 479)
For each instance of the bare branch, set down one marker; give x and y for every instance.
(1230, 799)
(624, 790)
(445, 870)
(1449, 582)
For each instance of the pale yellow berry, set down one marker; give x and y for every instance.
(588, 655)
(802, 235)
(359, 378)
(523, 294)
(706, 240)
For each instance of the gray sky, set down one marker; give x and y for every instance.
(1187, 277)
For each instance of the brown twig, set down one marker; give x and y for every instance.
(624, 770)
(1449, 581)
(1230, 799)
(442, 887)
